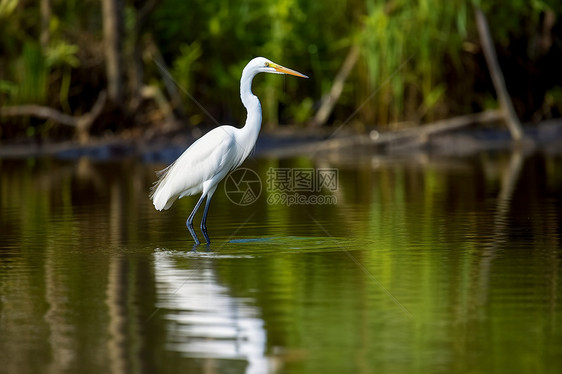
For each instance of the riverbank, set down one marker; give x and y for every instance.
(291, 141)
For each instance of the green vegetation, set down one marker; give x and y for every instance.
(419, 60)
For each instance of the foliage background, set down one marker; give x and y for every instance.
(419, 61)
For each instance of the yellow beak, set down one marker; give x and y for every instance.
(285, 70)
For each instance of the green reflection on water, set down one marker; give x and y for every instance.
(435, 265)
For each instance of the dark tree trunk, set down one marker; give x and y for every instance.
(113, 44)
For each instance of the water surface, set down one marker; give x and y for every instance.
(416, 264)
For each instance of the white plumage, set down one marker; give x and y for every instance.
(208, 160)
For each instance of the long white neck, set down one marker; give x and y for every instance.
(251, 129)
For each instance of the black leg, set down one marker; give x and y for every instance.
(189, 222)
(204, 219)
(192, 232)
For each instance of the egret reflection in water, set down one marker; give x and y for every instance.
(93, 279)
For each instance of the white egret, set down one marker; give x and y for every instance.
(209, 159)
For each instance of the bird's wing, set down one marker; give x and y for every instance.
(207, 157)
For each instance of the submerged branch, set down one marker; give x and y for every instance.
(448, 124)
(418, 135)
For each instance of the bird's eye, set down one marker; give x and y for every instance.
(267, 64)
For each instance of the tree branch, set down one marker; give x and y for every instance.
(329, 100)
(39, 111)
(81, 123)
(498, 80)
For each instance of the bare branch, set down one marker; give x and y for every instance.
(329, 100)
(506, 105)
(81, 123)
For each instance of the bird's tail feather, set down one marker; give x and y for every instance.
(158, 195)
(160, 199)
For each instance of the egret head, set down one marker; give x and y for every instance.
(263, 65)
